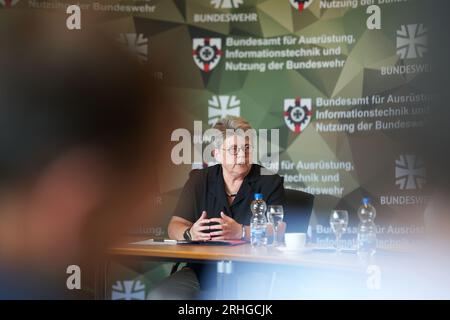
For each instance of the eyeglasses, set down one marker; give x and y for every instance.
(234, 150)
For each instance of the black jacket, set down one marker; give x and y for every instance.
(205, 191)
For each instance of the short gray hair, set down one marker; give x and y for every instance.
(230, 123)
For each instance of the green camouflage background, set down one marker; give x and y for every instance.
(339, 167)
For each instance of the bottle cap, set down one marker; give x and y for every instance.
(258, 196)
(366, 201)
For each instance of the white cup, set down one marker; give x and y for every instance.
(295, 240)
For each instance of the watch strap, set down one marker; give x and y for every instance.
(187, 234)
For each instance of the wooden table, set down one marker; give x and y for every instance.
(241, 253)
(226, 256)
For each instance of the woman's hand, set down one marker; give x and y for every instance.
(199, 226)
(227, 229)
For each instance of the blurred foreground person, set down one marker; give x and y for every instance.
(77, 114)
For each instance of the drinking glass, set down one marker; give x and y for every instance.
(275, 216)
(338, 223)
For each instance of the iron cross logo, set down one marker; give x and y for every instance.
(222, 106)
(8, 3)
(297, 113)
(136, 43)
(412, 41)
(410, 173)
(128, 290)
(300, 5)
(207, 52)
(226, 4)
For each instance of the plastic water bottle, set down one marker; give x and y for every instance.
(367, 234)
(258, 223)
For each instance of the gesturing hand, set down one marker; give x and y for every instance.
(199, 226)
(227, 229)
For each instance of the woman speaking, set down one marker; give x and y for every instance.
(215, 205)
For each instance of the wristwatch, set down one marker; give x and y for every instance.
(187, 234)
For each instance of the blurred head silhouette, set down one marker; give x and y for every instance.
(78, 121)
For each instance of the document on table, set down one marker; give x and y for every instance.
(162, 242)
(155, 242)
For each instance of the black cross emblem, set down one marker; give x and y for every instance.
(207, 52)
(297, 114)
